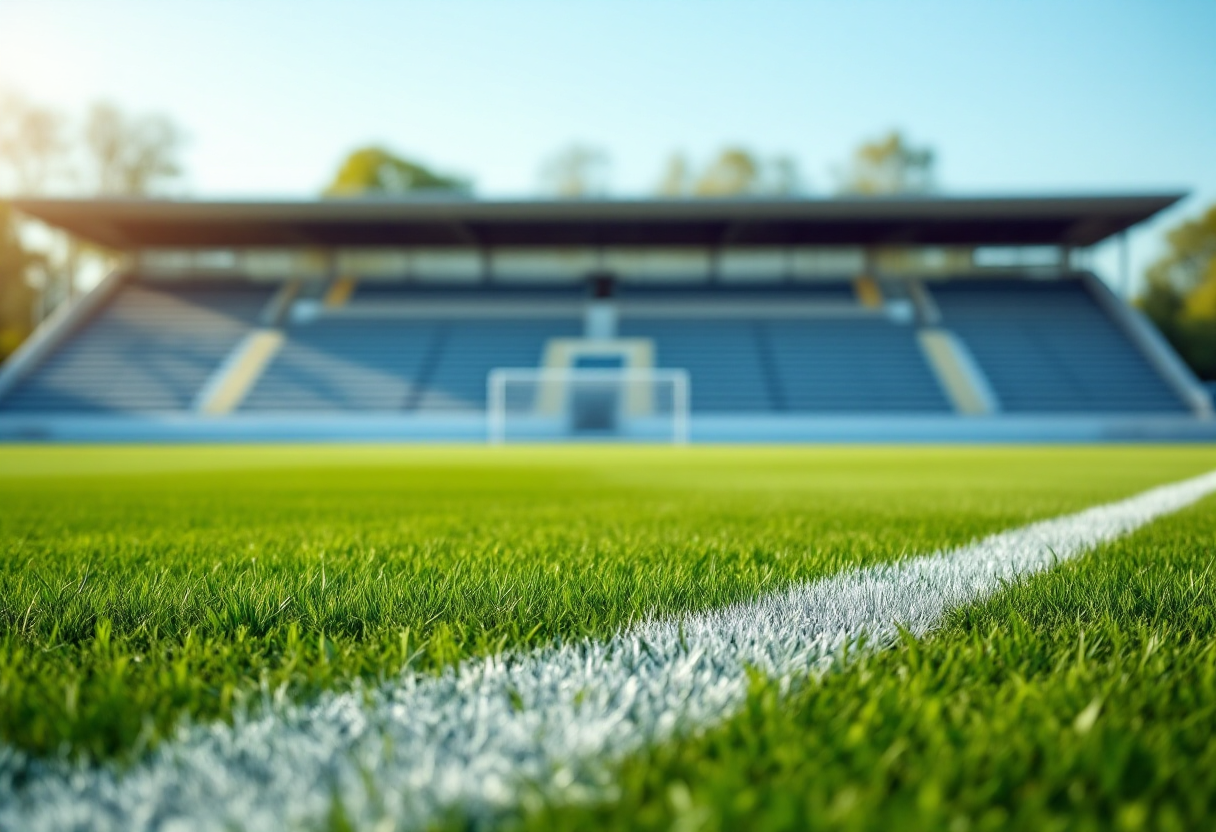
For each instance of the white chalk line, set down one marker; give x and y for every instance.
(401, 756)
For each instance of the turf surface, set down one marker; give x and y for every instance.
(140, 586)
(1083, 698)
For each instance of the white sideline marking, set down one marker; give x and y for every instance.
(403, 755)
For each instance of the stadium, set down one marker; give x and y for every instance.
(915, 319)
(580, 417)
(915, 566)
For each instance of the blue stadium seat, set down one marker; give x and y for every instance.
(334, 364)
(1047, 347)
(725, 368)
(471, 348)
(811, 365)
(853, 366)
(835, 291)
(386, 362)
(150, 349)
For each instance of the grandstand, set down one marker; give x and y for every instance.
(876, 319)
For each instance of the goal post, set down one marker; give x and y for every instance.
(531, 404)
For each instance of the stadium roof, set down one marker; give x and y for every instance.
(881, 221)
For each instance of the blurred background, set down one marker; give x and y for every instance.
(613, 100)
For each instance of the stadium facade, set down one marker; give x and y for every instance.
(900, 319)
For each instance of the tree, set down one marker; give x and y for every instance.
(1181, 294)
(18, 299)
(375, 170)
(107, 153)
(782, 177)
(576, 172)
(111, 153)
(130, 155)
(734, 172)
(886, 166)
(676, 178)
(33, 146)
(34, 158)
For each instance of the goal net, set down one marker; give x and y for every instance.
(582, 404)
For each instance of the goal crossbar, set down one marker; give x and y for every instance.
(551, 394)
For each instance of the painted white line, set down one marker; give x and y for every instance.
(404, 755)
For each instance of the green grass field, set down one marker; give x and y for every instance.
(1084, 699)
(143, 586)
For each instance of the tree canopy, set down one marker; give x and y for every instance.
(108, 152)
(576, 172)
(33, 145)
(887, 166)
(130, 155)
(18, 298)
(734, 172)
(375, 170)
(1181, 294)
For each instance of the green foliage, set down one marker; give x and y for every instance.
(887, 166)
(576, 172)
(374, 170)
(33, 145)
(131, 155)
(734, 172)
(142, 585)
(17, 297)
(113, 153)
(1081, 699)
(1181, 294)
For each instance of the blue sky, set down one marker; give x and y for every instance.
(1022, 96)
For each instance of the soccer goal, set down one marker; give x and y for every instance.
(583, 404)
